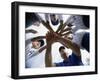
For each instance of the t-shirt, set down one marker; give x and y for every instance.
(32, 57)
(78, 36)
(72, 60)
(77, 22)
(29, 58)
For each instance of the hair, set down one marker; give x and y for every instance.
(86, 20)
(54, 22)
(42, 42)
(62, 47)
(31, 18)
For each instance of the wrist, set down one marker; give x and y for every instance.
(59, 39)
(49, 43)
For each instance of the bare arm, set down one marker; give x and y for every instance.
(38, 38)
(41, 49)
(68, 43)
(30, 31)
(47, 25)
(48, 55)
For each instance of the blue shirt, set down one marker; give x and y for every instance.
(72, 60)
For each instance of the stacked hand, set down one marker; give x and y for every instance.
(52, 37)
(64, 30)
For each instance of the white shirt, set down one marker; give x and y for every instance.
(32, 55)
(78, 36)
(33, 58)
(41, 31)
(77, 22)
(29, 57)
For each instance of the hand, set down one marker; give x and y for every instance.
(51, 37)
(66, 30)
(67, 33)
(41, 49)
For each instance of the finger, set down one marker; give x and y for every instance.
(70, 36)
(62, 28)
(66, 34)
(67, 29)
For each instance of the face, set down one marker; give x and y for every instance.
(54, 17)
(63, 53)
(36, 23)
(36, 44)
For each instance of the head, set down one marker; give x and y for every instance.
(78, 22)
(37, 43)
(63, 52)
(86, 20)
(36, 23)
(54, 19)
(31, 19)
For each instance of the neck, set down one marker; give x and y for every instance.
(65, 57)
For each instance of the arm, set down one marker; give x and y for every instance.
(48, 55)
(69, 44)
(38, 38)
(47, 25)
(30, 31)
(67, 23)
(41, 49)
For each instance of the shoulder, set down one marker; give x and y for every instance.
(74, 57)
(59, 64)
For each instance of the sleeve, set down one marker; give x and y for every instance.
(70, 20)
(60, 17)
(59, 64)
(77, 37)
(47, 17)
(75, 59)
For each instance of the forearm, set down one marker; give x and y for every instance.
(43, 48)
(48, 56)
(30, 31)
(38, 38)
